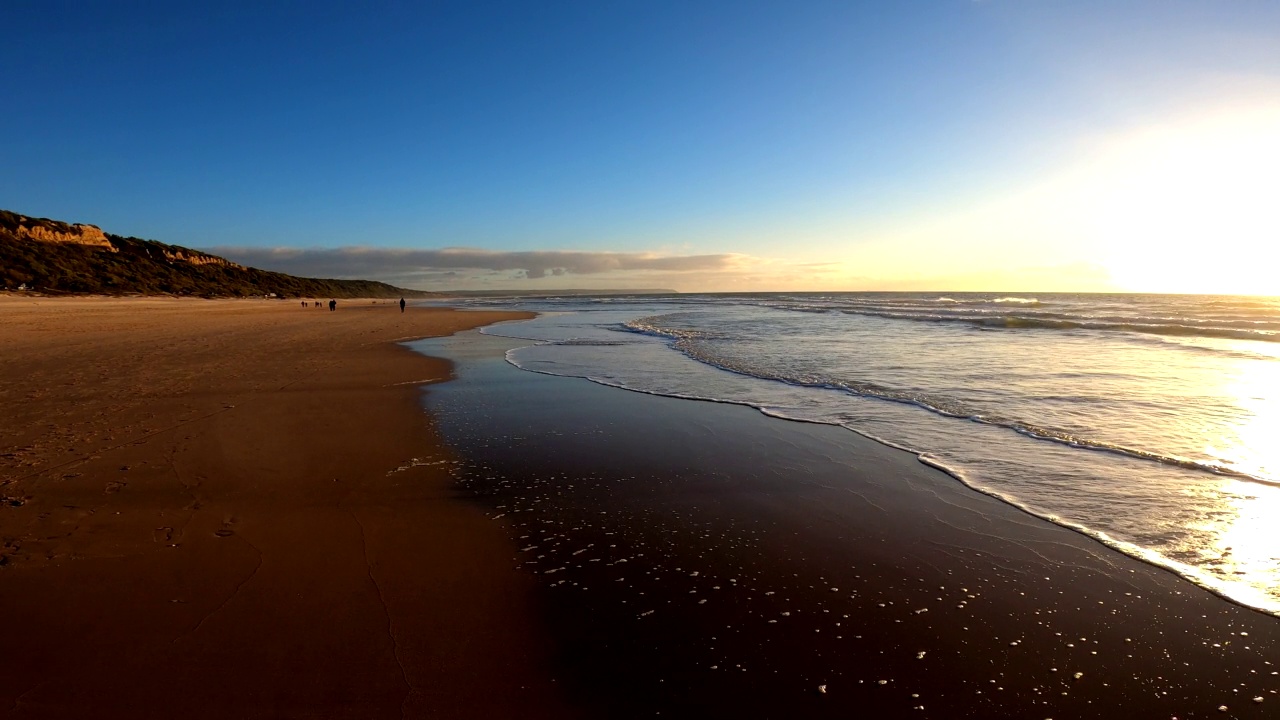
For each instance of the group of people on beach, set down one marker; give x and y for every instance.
(333, 304)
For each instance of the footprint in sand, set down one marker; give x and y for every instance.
(226, 531)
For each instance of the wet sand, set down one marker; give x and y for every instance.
(221, 509)
(703, 560)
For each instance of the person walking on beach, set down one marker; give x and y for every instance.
(333, 305)
(402, 305)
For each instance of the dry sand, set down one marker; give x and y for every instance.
(212, 509)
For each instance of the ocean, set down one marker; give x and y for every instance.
(1149, 422)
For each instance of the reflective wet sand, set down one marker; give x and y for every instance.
(701, 559)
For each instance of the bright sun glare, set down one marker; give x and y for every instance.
(1193, 208)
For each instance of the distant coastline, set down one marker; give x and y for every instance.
(53, 257)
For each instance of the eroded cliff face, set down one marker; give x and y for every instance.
(195, 258)
(45, 231)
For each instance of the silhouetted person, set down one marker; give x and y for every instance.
(333, 305)
(401, 304)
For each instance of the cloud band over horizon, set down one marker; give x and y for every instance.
(455, 267)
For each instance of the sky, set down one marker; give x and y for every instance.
(995, 145)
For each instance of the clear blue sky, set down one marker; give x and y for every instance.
(784, 144)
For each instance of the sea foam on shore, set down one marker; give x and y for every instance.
(1143, 421)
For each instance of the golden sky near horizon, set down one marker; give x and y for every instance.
(1190, 204)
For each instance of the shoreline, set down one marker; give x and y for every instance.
(1188, 573)
(708, 558)
(1129, 550)
(238, 508)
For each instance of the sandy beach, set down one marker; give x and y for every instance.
(248, 509)
(238, 509)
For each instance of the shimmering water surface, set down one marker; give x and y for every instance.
(1149, 422)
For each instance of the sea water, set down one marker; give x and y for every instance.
(1151, 423)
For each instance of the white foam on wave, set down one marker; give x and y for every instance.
(1245, 595)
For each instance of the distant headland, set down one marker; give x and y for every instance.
(59, 258)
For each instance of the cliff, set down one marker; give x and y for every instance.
(54, 257)
(57, 232)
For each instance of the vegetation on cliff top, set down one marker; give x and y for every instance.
(136, 266)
